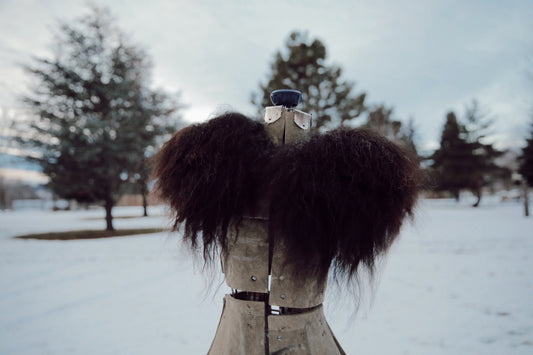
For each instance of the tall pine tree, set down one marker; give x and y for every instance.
(483, 167)
(451, 162)
(95, 116)
(465, 160)
(302, 66)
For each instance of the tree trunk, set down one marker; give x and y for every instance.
(108, 216)
(526, 200)
(145, 205)
(144, 193)
(477, 193)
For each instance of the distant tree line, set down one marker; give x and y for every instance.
(466, 159)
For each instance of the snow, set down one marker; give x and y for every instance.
(458, 281)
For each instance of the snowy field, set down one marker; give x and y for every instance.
(458, 281)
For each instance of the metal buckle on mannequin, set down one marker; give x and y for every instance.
(280, 311)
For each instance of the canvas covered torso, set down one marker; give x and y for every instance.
(271, 310)
(281, 209)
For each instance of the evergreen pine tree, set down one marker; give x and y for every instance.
(302, 66)
(451, 162)
(465, 160)
(95, 115)
(484, 170)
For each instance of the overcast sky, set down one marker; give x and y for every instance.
(422, 57)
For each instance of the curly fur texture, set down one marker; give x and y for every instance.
(208, 174)
(341, 197)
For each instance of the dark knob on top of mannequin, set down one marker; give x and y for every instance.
(286, 97)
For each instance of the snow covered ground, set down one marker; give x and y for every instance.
(458, 281)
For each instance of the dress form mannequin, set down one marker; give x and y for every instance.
(282, 207)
